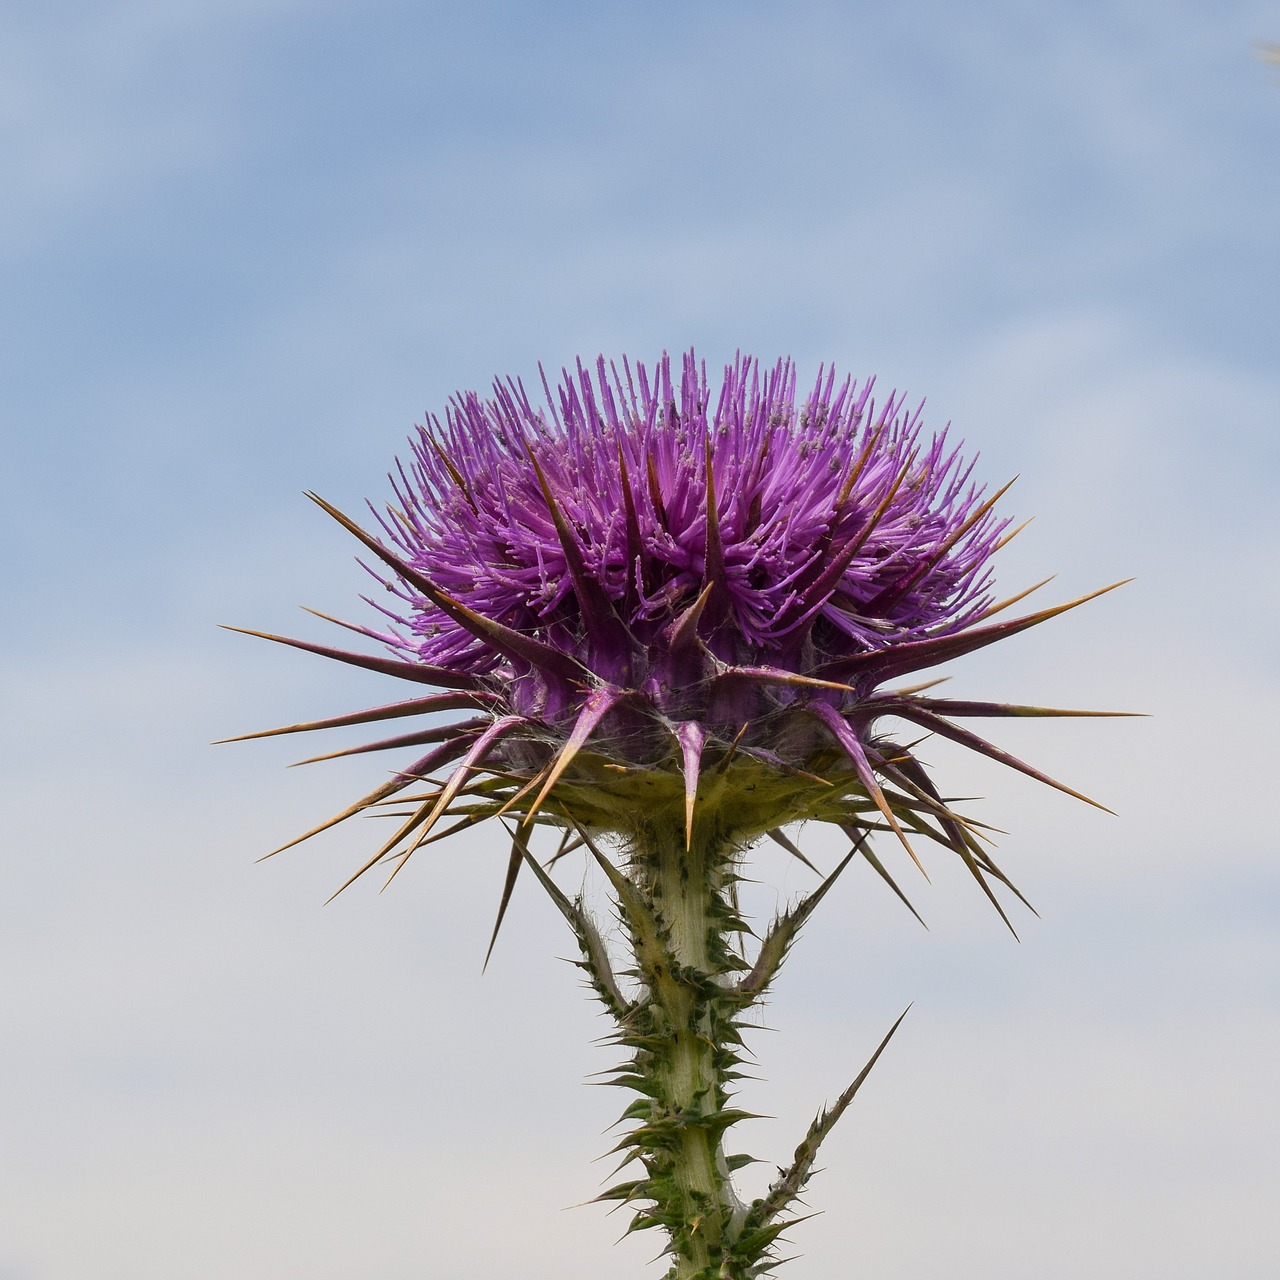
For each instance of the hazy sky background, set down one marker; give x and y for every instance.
(246, 246)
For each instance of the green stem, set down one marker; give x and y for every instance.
(686, 1049)
(684, 1028)
(692, 1077)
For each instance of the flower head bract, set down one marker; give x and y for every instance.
(648, 598)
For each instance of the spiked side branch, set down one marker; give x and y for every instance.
(778, 940)
(764, 1213)
(595, 956)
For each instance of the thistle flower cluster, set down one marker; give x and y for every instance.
(667, 618)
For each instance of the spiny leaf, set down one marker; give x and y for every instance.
(601, 970)
(779, 837)
(778, 940)
(791, 1182)
(644, 925)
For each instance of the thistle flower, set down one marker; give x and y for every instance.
(667, 620)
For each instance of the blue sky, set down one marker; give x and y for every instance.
(247, 246)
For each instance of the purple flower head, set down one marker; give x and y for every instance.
(820, 528)
(663, 602)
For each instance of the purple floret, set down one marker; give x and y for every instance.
(836, 529)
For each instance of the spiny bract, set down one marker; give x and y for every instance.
(661, 606)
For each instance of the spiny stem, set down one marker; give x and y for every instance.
(675, 901)
(675, 897)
